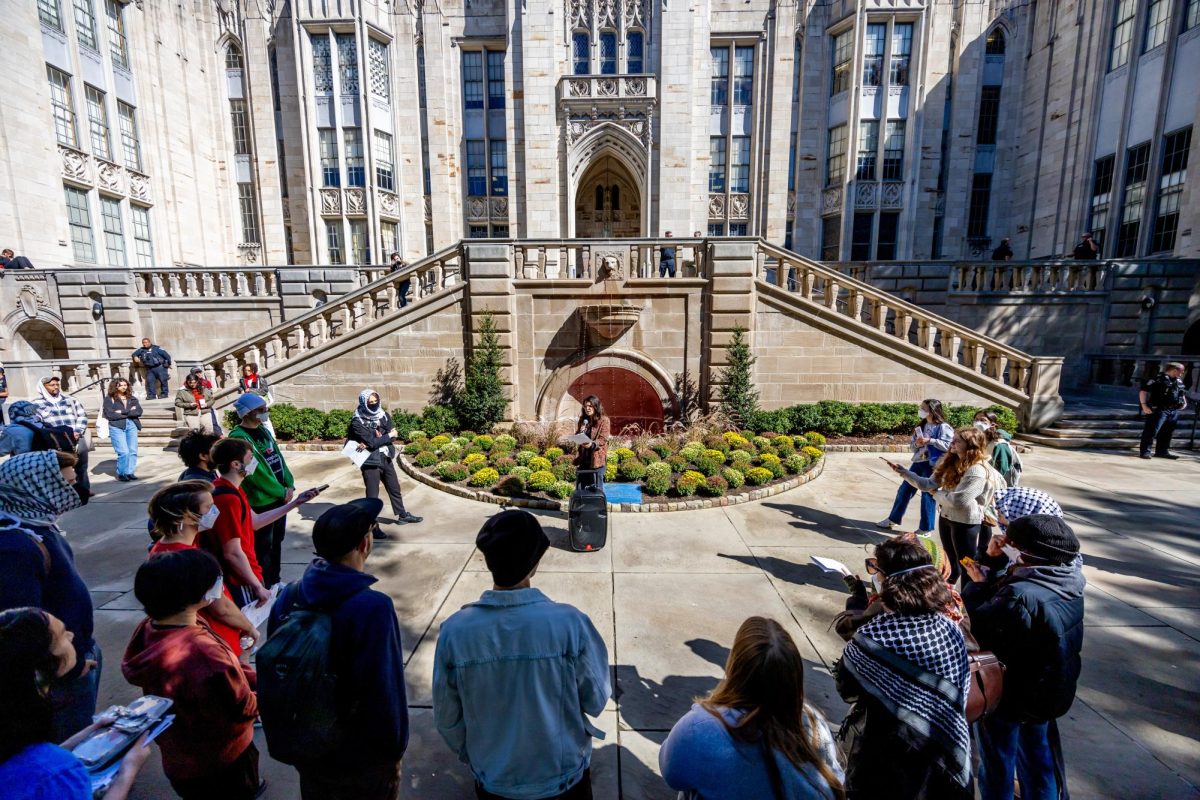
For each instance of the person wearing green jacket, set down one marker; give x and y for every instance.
(269, 486)
(1001, 453)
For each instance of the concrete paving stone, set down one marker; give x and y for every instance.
(1139, 576)
(792, 520)
(1184, 620)
(418, 577)
(1103, 610)
(640, 778)
(690, 541)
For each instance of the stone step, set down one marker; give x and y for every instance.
(1129, 422)
(1081, 442)
(1094, 433)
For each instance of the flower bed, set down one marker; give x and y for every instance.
(669, 469)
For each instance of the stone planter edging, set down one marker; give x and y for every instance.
(691, 504)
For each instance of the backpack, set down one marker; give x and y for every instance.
(51, 437)
(220, 491)
(1013, 476)
(297, 689)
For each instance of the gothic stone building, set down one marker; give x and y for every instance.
(272, 132)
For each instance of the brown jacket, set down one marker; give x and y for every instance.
(595, 457)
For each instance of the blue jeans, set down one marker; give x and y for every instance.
(1032, 750)
(665, 267)
(125, 443)
(74, 702)
(922, 469)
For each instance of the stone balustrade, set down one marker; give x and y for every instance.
(1029, 277)
(195, 283)
(1119, 369)
(593, 87)
(597, 259)
(84, 378)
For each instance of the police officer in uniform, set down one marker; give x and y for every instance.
(1162, 398)
(156, 361)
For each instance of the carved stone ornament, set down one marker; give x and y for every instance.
(139, 187)
(74, 164)
(356, 201)
(389, 204)
(893, 194)
(30, 300)
(831, 200)
(716, 206)
(866, 194)
(477, 208)
(331, 201)
(250, 252)
(636, 122)
(791, 205)
(610, 265)
(500, 208)
(739, 206)
(108, 176)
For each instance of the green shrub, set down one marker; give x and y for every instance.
(485, 477)
(837, 417)
(736, 440)
(610, 472)
(337, 424)
(776, 468)
(815, 439)
(451, 452)
(485, 442)
(504, 465)
(740, 459)
(715, 486)
(784, 450)
(450, 471)
(482, 402)
(553, 453)
(767, 459)
(657, 485)
(468, 435)
(708, 466)
(463, 442)
(739, 398)
(812, 452)
(758, 476)
(611, 458)
(734, 477)
(796, 463)
(475, 458)
(646, 455)
(298, 424)
(623, 453)
(541, 480)
(659, 469)
(688, 483)
(404, 422)
(474, 448)
(521, 472)
(760, 442)
(540, 464)
(525, 456)
(692, 450)
(230, 419)
(713, 453)
(716, 442)
(565, 471)
(505, 442)
(510, 486)
(677, 463)
(441, 440)
(473, 468)
(770, 421)
(416, 447)
(561, 489)
(631, 470)
(426, 458)
(437, 419)
(283, 418)
(662, 448)
(1006, 418)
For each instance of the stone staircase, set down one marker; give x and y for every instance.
(1102, 424)
(159, 428)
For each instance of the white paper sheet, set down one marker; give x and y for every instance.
(830, 565)
(258, 614)
(579, 438)
(352, 452)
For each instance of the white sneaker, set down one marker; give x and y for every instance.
(886, 524)
(924, 533)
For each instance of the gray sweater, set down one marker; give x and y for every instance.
(966, 501)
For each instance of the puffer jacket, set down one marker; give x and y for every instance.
(382, 447)
(1032, 619)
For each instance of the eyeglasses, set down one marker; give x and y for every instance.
(872, 566)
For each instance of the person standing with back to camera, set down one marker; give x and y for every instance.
(593, 455)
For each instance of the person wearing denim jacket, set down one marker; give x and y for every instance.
(516, 676)
(930, 441)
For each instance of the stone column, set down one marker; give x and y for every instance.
(731, 305)
(489, 271)
(1044, 405)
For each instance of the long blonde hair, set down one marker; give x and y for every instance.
(951, 467)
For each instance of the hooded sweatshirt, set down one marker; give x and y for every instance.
(367, 659)
(215, 706)
(1032, 619)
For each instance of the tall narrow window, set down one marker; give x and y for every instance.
(98, 123)
(80, 219)
(831, 238)
(981, 200)
(792, 164)
(1102, 183)
(1122, 38)
(716, 229)
(885, 245)
(360, 243)
(233, 59)
(495, 78)
(472, 67)
(143, 247)
(1170, 190)
(385, 170)
(739, 165)
(989, 115)
(388, 239)
(241, 127)
(85, 24)
(635, 46)
(581, 45)
(716, 164)
(117, 46)
(114, 231)
(893, 151)
(873, 54)
(331, 172)
(1158, 21)
(1137, 163)
(902, 36)
(498, 155)
(248, 210)
(347, 63)
(720, 76)
(62, 106)
(614, 194)
(608, 53)
(381, 74)
(356, 174)
(333, 241)
(843, 55)
(1191, 14)
(50, 14)
(743, 76)
(860, 240)
(835, 161)
(322, 63)
(131, 145)
(868, 147)
(476, 168)
(273, 66)
(995, 44)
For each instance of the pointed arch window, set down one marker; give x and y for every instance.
(995, 43)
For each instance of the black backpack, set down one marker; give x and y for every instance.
(51, 437)
(297, 688)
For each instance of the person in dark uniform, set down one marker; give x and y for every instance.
(1003, 251)
(371, 428)
(1087, 249)
(666, 265)
(156, 361)
(1162, 398)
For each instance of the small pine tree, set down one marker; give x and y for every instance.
(483, 402)
(739, 398)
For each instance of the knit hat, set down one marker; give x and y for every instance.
(340, 529)
(1045, 537)
(247, 403)
(512, 543)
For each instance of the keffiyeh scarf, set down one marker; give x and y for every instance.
(32, 488)
(916, 667)
(366, 414)
(1022, 501)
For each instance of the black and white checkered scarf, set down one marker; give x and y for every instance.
(32, 488)
(916, 667)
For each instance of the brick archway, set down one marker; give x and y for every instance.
(613, 368)
(628, 398)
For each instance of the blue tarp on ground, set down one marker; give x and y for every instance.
(623, 492)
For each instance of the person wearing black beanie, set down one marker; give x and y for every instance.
(1032, 619)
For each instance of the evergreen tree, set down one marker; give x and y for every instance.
(483, 401)
(739, 398)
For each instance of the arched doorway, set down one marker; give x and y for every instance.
(628, 398)
(608, 203)
(36, 339)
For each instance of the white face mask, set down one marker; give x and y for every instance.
(983, 426)
(1013, 553)
(249, 467)
(924, 413)
(216, 592)
(208, 518)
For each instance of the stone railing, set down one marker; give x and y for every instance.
(1112, 369)
(1029, 277)
(989, 367)
(339, 317)
(85, 378)
(202, 282)
(602, 87)
(596, 259)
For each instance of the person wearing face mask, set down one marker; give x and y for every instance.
(270, 486)
(930, 441)
(209, 751)
(37, 568)
(372, 428)
(1032, 618)
(999, 448)
(231, 539)
(179, 513)
(1011, 504)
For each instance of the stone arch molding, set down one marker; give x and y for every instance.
(554, 388)
(606, 138)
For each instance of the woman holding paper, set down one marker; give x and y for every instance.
(372, 429)
(593, 453)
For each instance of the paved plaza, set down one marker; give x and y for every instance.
(670, 590)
